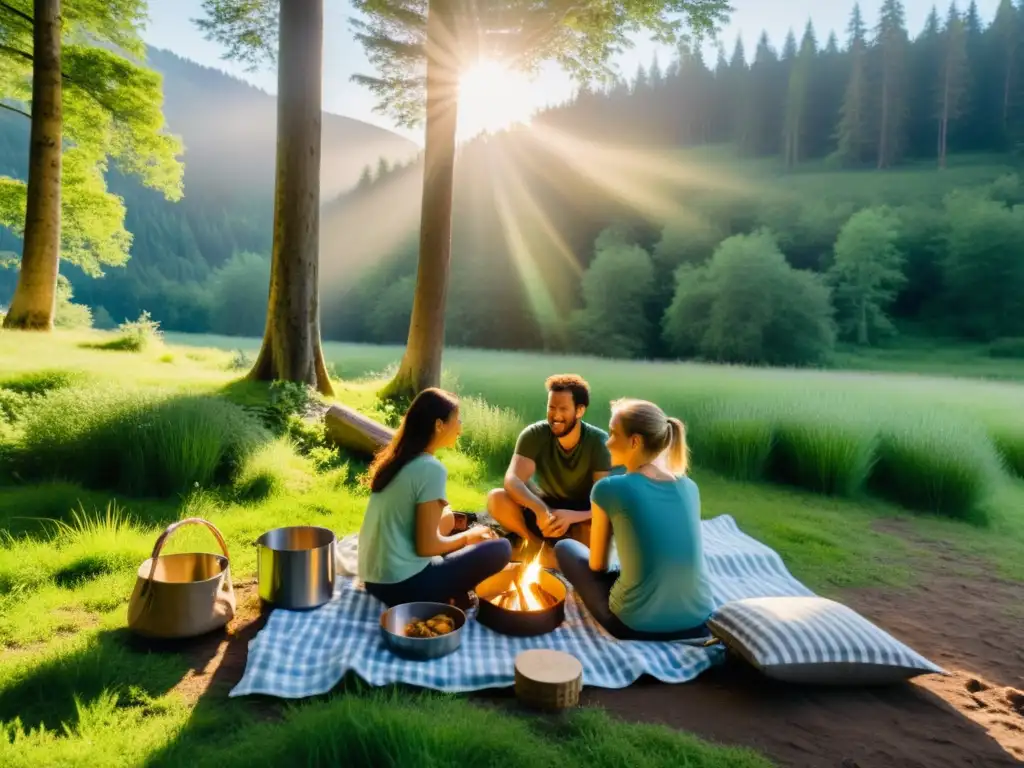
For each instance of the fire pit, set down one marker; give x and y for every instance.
(523, 600)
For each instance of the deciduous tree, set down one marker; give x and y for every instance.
(90, 102)
(867, 273)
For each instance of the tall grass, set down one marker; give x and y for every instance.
(145, 443)
(732, 438)
(488, 432)
(936, 465)
(828, 452)
(1009, 441)
(91, 544)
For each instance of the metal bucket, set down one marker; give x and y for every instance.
(295, 566)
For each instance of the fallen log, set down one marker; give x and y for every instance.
(352, 431)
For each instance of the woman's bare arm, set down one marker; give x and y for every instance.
(429, 541)
(600, 538)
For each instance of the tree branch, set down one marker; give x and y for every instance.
(15, 110)
(20, 14)
(16, 52)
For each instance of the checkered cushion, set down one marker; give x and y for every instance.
(815, 640)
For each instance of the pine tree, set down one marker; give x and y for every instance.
(981, 123)
(796, 101)
(926, 70)
(891, 47)
(954, 76)
(852, 132)
(737, 97)
(828, 78)
(765, 101)
(1003, 45)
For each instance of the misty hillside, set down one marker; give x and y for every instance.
(228, 128)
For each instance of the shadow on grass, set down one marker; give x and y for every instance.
(30, 509)
(50, 692)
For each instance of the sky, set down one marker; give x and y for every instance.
(171, 28)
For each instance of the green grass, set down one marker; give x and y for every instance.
(75, 690)
(830, 432)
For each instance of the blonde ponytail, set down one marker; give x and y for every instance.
(678, 452)
(661, 434)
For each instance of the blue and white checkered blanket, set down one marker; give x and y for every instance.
(299, 654)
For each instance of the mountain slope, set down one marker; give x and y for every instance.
(229, 130)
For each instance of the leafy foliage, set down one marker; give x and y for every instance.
(580, 38)
(616, 287)
(112, 110)
(867, 273)
(749, 306)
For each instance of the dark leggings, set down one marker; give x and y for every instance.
(460, 572)
(593, 588)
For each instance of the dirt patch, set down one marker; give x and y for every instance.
(959, 615)
(219, 658)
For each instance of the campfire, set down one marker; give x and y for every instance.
(523, 600)
(526, 593)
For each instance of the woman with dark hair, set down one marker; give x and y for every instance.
(406, 550)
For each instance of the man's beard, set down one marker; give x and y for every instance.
(563, 429)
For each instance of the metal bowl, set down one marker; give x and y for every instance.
(295, 566)
(394, 620)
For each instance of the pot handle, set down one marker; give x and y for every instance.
(162, 539)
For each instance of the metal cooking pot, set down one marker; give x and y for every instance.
(394, 620)
(295, 566)
(520, 623)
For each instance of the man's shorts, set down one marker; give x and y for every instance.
(578, 531)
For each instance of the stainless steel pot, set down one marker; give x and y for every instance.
(394, 620)
(295, 566)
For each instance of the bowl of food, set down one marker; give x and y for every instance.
(422, 630)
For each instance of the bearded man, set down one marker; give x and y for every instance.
(546, 493)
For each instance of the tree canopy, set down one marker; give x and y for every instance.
(112, 112)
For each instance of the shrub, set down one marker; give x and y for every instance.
(146, 443)
(822, 451)
(271, 470)
(939, 466)
(734, 439)
(618, 281)
(749, 306)
(1012, 348)
(40, 382)
(489, 433)
(135, 336)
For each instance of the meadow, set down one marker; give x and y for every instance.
(101, 448)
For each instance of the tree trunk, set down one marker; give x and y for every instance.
(1007, 80)
(944, 119)
(33, 304)
(883, 139)
(291, 348)
(421, 363)
(862, 323)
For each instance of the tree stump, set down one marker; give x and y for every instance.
(354, 432)
(547, 679)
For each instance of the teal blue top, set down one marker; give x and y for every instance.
(387, 538)
(662, 586)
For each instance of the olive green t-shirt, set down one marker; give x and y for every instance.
(565, 475)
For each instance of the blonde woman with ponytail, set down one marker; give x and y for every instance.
(661, 591)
